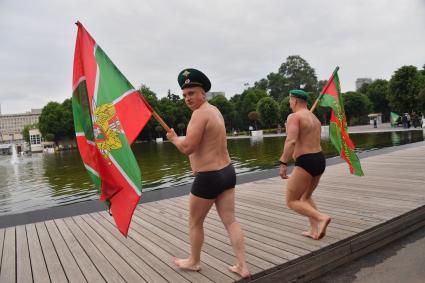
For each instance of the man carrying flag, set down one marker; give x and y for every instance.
(303, 145)
(108, 115)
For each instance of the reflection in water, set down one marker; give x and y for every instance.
(45, 180)
(395, 138)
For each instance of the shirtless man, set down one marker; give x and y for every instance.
(215, 177)
(303, 145)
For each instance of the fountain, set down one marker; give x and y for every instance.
(14, 159)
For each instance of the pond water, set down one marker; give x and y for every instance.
(44, 180)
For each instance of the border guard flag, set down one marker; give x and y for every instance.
(331, 97)
(108, 115)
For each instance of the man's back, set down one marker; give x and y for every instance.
(211, 154)
(308, 140)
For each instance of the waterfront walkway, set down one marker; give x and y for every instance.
(367, 212)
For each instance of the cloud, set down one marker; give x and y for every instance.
(233, 42)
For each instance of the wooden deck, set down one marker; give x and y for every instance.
(88, 248)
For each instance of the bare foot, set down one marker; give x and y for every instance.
(185, 264)
(309, 234)
(243, 272)
(323, 224)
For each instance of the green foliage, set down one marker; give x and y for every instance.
(269, 100)
(284, 109)
(26, 131)
(298, 74)
(57, 119)
(227, 109)
(181, 127)
(405, 87)
(377, 93)
(159, 130)
(357, 106)
(49, 137)
(254, 116)
(268, 109)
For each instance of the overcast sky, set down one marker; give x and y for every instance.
(233, 42)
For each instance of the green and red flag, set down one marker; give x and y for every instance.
(108, 115)
(331, 97)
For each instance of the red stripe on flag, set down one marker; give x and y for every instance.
(85, 61)
(133, 114)
(88, 153)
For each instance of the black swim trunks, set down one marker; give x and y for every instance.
(313, 163)
(210, 184)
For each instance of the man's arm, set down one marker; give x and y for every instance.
(194, 133)
(292, 131)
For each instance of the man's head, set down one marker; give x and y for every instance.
(297, 99)
(194, 85)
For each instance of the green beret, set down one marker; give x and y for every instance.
(193, 77)
(299, 93)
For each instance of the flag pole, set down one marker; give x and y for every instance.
(154, 114)
(324, 88)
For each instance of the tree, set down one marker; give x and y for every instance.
(254, 116)
(284, 109)
(249, 100)
(181, 127)
(151, 98)
(404, 89)
(172, 96)
(357, 106)
(159, 130)
(298, 74)
(67, 119)
(50, 121)
(377, 93)
(268, 109)
(26, 131)
(261, 84)
(227, 110)
(277, 86)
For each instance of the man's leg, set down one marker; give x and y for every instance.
(198, 210)
(298, 184)
(307, 196)
(225, 204)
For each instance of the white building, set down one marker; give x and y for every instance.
(36, 142)
(362, 81)
(11, 125)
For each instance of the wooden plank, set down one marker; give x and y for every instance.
(38, 265)
(119, 263)
(220, 249)
(106, 269)
(54, 266)
(266, 230)
(2, 231)
(147, 272)
(217, 232)
(23, 264)
(90, 272)
(281, 243)
(165, 250)
(8, 273)
(70, 266)
(162, 268)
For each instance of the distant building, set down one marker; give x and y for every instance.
(11, 125)
(362, 81)
(36, 141)
(212, 94)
